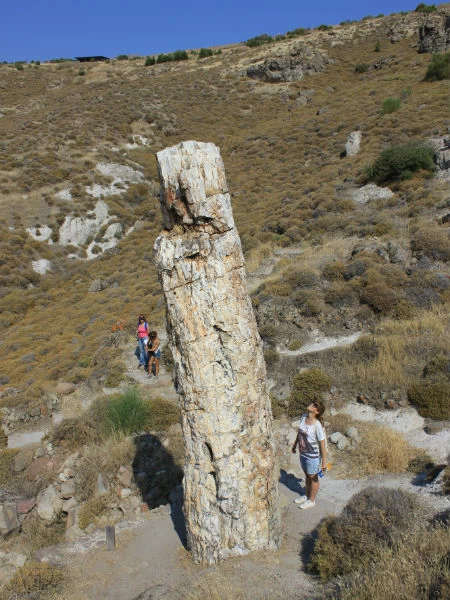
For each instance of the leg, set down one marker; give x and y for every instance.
(156, 366)
(312, 481)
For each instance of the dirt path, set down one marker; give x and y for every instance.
(150, 560)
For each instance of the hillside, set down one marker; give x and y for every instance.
(349, 272)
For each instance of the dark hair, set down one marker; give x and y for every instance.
(142, 317)
(321, 408)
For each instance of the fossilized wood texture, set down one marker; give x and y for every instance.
(231, 479)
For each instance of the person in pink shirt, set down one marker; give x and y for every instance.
(142, 337)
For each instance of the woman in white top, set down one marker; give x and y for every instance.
(313, 456)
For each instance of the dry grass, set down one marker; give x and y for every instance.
(418, 568)
(405, 347)
(380, 450)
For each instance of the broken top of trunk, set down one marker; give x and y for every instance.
(230, 478)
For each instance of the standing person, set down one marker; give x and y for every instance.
(155, 354)
(142, 337)
(313, 455)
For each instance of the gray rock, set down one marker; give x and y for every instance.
(48, 504)
(340, 440)
(23, 459)
(291, 67)
(67, 489)
(102, 484)
(434, 34)
(9, 520)
(353, 144)
(371, 192)
(97, 286)
(65, 388)
(352, 433)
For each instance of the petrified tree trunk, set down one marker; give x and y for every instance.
(230, 478)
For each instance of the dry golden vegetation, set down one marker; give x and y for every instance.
(288, 181)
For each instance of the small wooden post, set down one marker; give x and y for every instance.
(110, 537)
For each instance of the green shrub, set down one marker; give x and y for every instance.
(372, 519)
(325, 27)
(126, 413)
(149, 61)
(439, 68)
(205, 52)
(122, 57)
(400, 162)
(425, 8)
(361, 68)
(264, 38)
(377, 46)
(390, 105)
(307, 387)
(431, 398)
(295, 345)
(278, 407)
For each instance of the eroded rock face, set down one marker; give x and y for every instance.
(230, 479)
(290, 67)
(434, 34)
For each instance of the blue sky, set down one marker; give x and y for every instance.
(45, 29)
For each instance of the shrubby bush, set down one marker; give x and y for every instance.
(258, 40)
(379, 297)
(372, 519)
(431, 398)
(390, 105)
(149, 61)
(433, 242)
(400, 162)
(307, 387)
(366, 348)
(439, 68)
(425, 8)
(361, 68)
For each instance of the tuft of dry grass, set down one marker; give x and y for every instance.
(380, 450)
(34, 580)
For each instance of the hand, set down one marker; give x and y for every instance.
(294, 450)
(324, 467)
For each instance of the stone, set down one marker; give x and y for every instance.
(231, 501)
(371, 192)
(65, 388)
(124, 476)
(23, 459)
(125, 493)
(25, 506)
(352, 433)
(38, 467)
(9, 520)
(434, 34)
(68, 505)
(289, 67)
(340, 440)
(102, 485)
(353, 144)
(67, 489)
(97, 286)
(48, 504)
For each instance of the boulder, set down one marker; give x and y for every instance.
(434, 34)
(340, 440)
(290, 67)
(9, 520)
(371, 192)
(38, 467)
(67, 489)
(49, 504)
(64, 388)
(25, 506)
(23, 459)
(353, 144)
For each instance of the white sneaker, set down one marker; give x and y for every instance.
(300, 500)
(307, 504)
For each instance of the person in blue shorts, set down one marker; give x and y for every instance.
(313, 455)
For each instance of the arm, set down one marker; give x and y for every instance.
(323, 454)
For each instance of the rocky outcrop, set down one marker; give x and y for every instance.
(353, 144)
(434, 34)
(441, 147)
(291, 67)
(230, 477)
